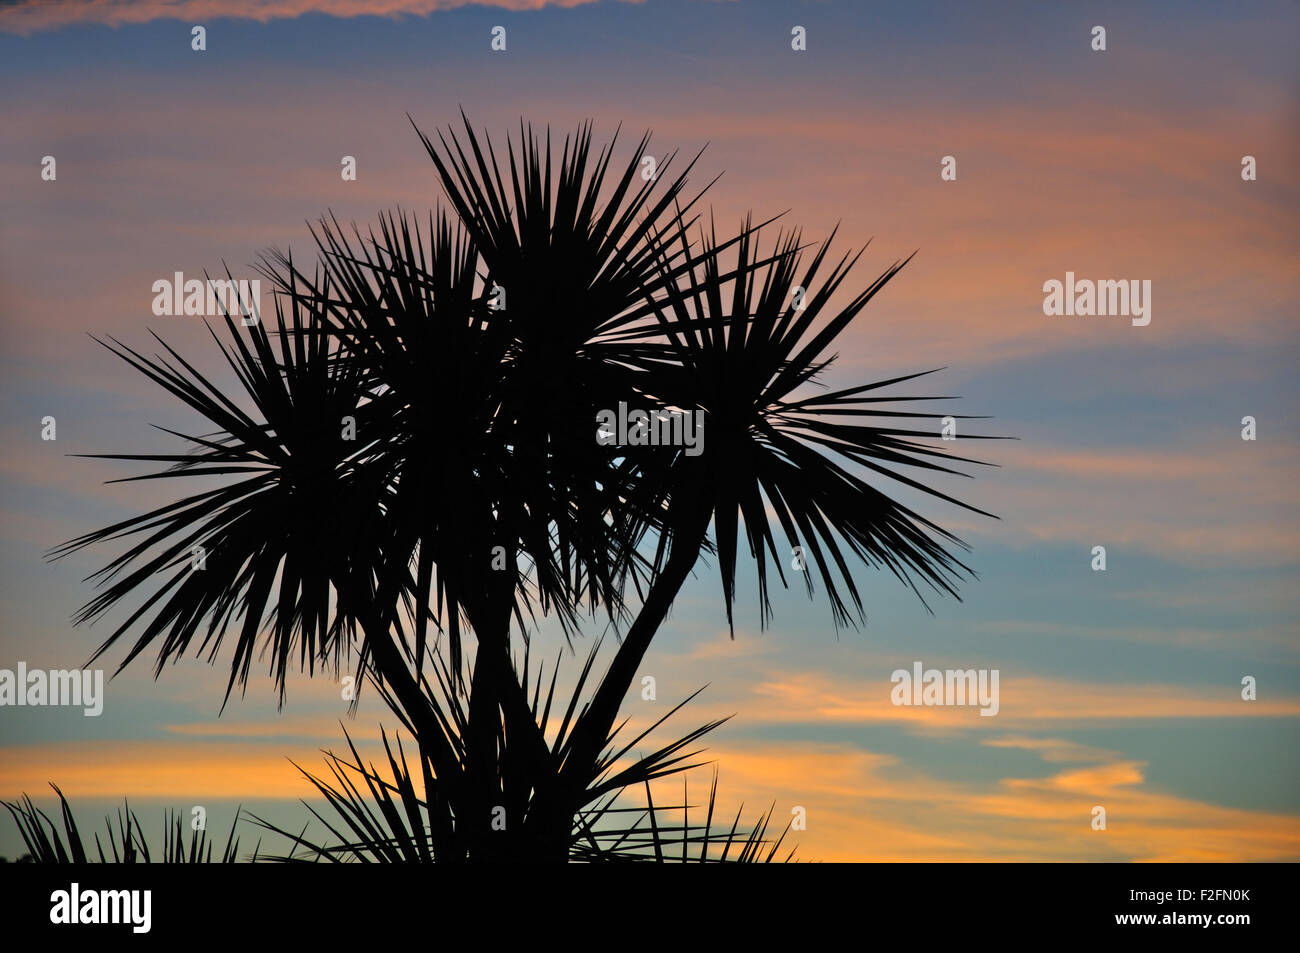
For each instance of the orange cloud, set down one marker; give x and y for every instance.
(986, 242)
(1025, 700)
(763, 696)
(1052, 749)
(1192, 504)
(863, 806)
(859, 805)
(116, 769)
(989, 240)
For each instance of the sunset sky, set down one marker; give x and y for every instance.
(1119, 688)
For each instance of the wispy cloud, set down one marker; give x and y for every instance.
(1223, 497)
(1026, 701)
(29, 16)
(1052, 749)
(116, 769)
(865, 806)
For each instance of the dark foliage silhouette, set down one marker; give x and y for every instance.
(413, 446)
(126, 842)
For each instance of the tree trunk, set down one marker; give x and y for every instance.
(598, 720)
(392, 669)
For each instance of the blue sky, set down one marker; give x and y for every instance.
(1123, 164)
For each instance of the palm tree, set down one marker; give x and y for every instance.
(421, 449)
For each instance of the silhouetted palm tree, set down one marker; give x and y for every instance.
(423, 449)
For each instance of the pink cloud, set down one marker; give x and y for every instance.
(29, 16)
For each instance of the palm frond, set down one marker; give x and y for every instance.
(266, 550)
